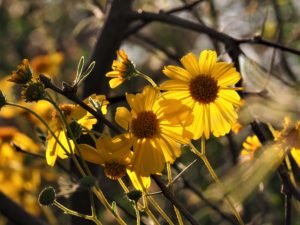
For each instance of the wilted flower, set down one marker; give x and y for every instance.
(23, 74)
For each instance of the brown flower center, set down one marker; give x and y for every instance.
(114, 170)
(204, 89)
(146, 125)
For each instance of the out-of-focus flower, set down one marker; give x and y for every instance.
(18, 183)
(122, 70)
(115, 156)
(72, 113)
(155, 136)
(23, 74)
(290, 136)
(47, 64)
(236, 127)
(205, 86)
(250, 146)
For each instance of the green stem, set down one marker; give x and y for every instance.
(160, 210)
(77, 214)
(215, 177)
(170, 181)
(137, 212)
(146, 77)
(44, 123)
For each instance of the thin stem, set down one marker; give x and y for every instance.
(77, 214)
(146, 77)
(137, 212)
(44, 123)
(170, 181)
(99, 194)
(215, 177)
(160, 210)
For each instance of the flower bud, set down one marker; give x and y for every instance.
(33, 92)
(47, 196)
(134, 195)
(23, 74)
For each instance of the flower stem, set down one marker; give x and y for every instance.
(146, 77)
(215, 177)
(160, 210)
(74, 213)
(170, 181)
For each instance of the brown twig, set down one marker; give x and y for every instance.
(168, 194)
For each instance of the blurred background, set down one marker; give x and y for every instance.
(54, 34)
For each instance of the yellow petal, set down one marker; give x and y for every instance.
(207, 61)
(123, 117)
(225, 74)
(150, 95)
(174, 85)
(190, 63)
(169, 147)
(140, 183)
(147, 158)
(296, 155)
(230, 96)
(90, 154)
(177, 73)
(115, 82)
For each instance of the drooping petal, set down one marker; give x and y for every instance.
(90, 154)
(123, 117)
(190, 63)
(169, 147)
(147, 158)
(140, 183)
(115, 82)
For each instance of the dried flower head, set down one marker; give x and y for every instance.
(23, 74)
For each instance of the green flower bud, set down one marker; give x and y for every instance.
(47, 196)
(23, 74)
(33, 92)
(134, 195)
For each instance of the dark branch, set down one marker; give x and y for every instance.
(16, 213)
(168, 194)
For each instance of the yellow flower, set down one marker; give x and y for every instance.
(122, 70)
(250, 146)
(23, 74)
(72, 113)
(203, 85)
(290, 136)
(16, 181)
(115, 156)
(47, 64)
(153, 132)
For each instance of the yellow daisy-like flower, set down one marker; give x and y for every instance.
(154, 133)
(115, 156)
(204, 86)
(250, 146)
(72, 113)
(122, 70)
